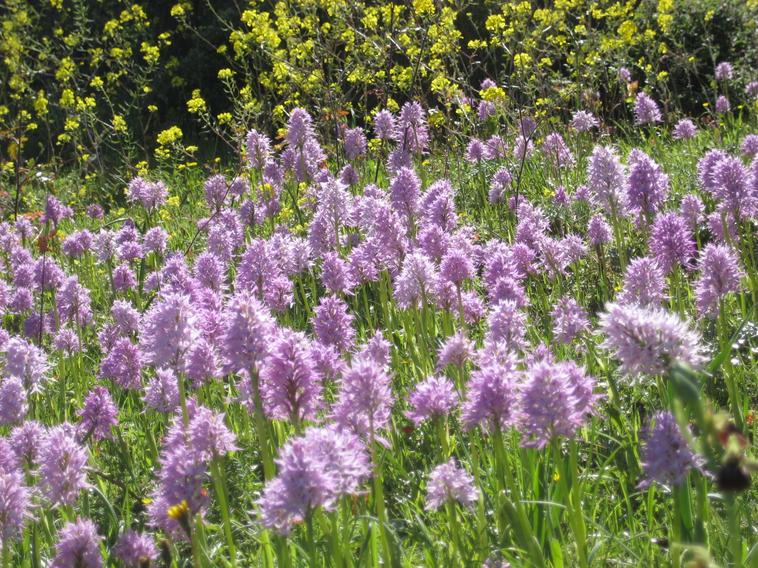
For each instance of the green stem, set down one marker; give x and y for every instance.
(220, 483)
(514, 508)
(312, 553)
(261, 428)
(442, 432)
(381, 512)
(735, 541)
(183, 400)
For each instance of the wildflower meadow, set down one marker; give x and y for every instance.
(371, 284)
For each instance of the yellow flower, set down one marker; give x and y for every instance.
(96, 82)
(150, 53)
(225, 74)
(40, 103)
(627, 31)
(169, 136)
(521, 60)
(71, 124)
(423, 7)
(142, 168)
(119, 124)
(196, 104)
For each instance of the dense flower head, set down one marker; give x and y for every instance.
(556, 399)
(98, 415)
(647, 185)
(492, 398)
(15, 506)
(13, 401)
(706, 166)
(666, 458)
(162, 391)
(437, 206)
(216, 190)
(168, 330)
(644, 283)
(26, 362)
(78, 546)
(150, 194)
(475, 151)
(290, 383)
(376, 349)
(624, 74)
(583, 120)
(433, 397)
(56, 211)
(333, 323)
(720, 274)
(135, 549)
(299, 127)
(556, 150)
(501, 180)
(507, 325)
(523, 148)
(415, 283)
(724, 71)
(731, 184)
(606, 179)
(648, 341)
(508, 288)
(646, 110)
(77, 243)
(48, 275)
(355, 143)
(314, 470)
(411, 132)
(181, 479)
(598, 231)
(210, 271)
(751, 90)
(365, 398)
(122, 364)
(684, 130)
(257, 148)
(336, 275)
(384, 125)
(749, 146)
(25, 442)
(671, 242)
(449, 483)
(248, 327)
(349, 176)
(692, 210)
(723, 226)
(95, 211)
(73, 301)
(456, 350)
(62, 465)
(722, 104)
(405, 189)
(456, 266)
(569, 320)
(208, 434)
(485, 109)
